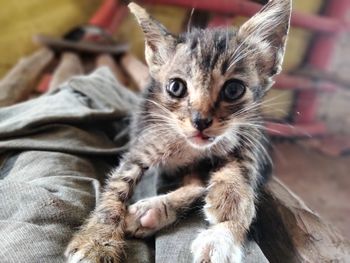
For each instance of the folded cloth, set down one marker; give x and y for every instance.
(55, 152)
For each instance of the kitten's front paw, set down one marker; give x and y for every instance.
(149, 215)
(216, 245)
(96, 245)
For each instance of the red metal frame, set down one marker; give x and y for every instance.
(286, 81)
(109, 16)
(306, 106)
(322, 51)
(103, 17)
(218, 20)
(320, 58)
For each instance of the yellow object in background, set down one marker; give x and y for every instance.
(20, 20)
(310, 7)
(299, 39)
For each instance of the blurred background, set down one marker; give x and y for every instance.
(43, 43)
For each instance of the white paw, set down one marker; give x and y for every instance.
(216, 245)
(149, 215)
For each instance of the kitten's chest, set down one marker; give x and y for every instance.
(169, 152)
(200, 167)
(178, 155)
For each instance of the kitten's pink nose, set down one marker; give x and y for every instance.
(200, 122)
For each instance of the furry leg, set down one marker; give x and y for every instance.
(230, 209)
(101, 238)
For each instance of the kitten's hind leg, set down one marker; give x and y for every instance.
(149, 215)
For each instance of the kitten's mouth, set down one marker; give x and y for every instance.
(200, 138)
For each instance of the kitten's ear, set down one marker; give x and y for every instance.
(159, 43)
(269, 28)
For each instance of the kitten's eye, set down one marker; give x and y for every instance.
(176, 88)
(233, 89)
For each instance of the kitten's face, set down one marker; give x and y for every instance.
(208, 83)
(208, 96)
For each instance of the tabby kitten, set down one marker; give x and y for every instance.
(199, 113)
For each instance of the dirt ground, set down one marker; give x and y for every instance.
(323, 182)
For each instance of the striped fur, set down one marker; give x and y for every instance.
(227, 165)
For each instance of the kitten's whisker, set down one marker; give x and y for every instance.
(249, 110)
(160, 106)
(160, 118)
(165, 119)
(257, 105)
(293, 127)
(259, 126)
(159, 130)
(154, 120)
(255, 144)
(189, 23)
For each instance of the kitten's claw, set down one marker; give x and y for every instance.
(149, 215)
(92, 246)
(216, 245)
